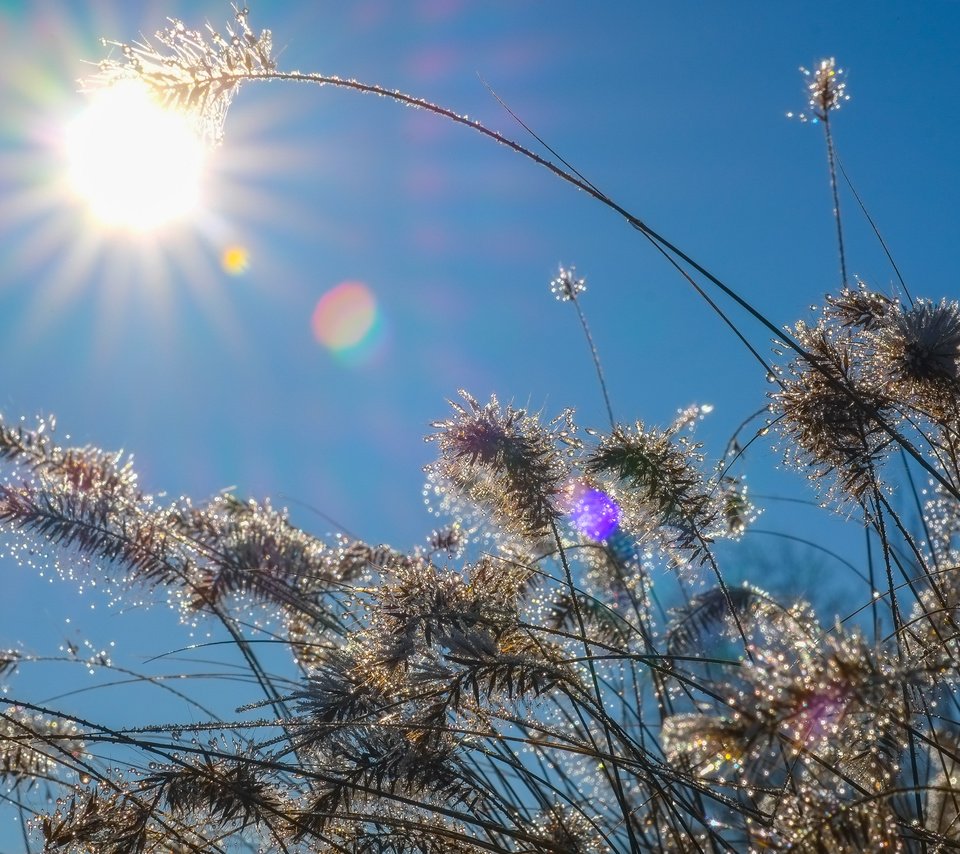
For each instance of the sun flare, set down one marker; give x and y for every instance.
(135, 164)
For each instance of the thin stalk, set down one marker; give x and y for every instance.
(832, 165)
(182, 93)
(617, 782)
(596, 360)
(873, 599)
(873, 225)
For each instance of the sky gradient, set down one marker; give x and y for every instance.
(357, 262)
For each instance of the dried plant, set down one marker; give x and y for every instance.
(517, 684)
(196, 71)
(827, 93)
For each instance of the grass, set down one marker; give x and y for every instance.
(514, 684)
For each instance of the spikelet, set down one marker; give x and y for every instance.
(465, 615)
(194, 71)
(506, 460)
(919, 349)
(35, 747)
(832, 409)
(693, 626)
(808, 824)
(859, 308)
(223, 791)
(570, 831)
(824, 716)
(942, 807)
(656, 480)
(826, 90)
(566, 287)
(871, 368)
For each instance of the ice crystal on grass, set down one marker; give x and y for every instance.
(826, 90)
(507, 459)
(834, 411)
(922, 343)
(529, 679)
(36, 747)
(566, 286)
(195, 71)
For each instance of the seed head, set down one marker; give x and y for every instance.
(193, 71)
(832, 408)
(506, 459)
(656, 480)
(567, 286)
(923, 342)
(859, 308)
(826, 90)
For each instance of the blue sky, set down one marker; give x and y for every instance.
(676, 110)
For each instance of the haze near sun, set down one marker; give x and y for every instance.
(135, 164)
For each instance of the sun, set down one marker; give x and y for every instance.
(136, 165)
(120, 218)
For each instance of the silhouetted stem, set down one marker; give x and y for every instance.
(831, 163)
(596, 362)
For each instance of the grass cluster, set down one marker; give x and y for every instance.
(514, 684)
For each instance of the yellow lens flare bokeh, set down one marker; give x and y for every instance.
(137, 165)
(111, 203)
(235, 259)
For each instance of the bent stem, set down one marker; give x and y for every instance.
(670, 250)
(202, 84)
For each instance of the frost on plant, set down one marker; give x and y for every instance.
(826, 90)
(873, 375)
(566, 286)
(196, 71)
(561, 666)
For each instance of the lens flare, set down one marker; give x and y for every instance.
(137, 165)
(591, 511)
(345, 317)
(235, 260)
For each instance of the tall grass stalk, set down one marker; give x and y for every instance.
(514, 684)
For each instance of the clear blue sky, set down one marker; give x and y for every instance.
(676, 110)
